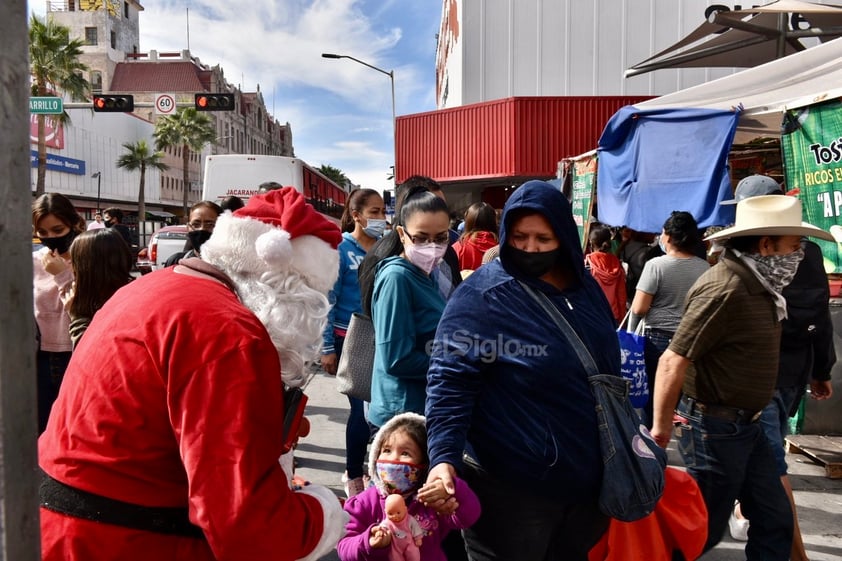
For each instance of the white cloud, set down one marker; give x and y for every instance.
(340, 111)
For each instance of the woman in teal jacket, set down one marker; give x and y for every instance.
(406, 306)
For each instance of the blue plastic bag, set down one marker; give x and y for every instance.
(633, 366)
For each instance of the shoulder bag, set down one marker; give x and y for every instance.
(633, 472)
(353, 373)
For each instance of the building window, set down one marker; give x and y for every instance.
(96, 81)
(113, 40)
(90, 35)
(126, 10)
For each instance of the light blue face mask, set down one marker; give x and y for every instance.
(375, 227)
(661, 244)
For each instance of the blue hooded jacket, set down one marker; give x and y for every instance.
(345, 296)
(505, 384)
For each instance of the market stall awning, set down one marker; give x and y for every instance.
(750, 37)
(766, 91)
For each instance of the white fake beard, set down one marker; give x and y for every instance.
(294, 315)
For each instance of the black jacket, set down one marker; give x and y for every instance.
(807, 333)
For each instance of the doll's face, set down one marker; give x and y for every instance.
(395, 508)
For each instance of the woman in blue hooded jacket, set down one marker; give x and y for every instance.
(506, 387)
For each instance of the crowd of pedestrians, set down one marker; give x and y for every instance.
(481, 438)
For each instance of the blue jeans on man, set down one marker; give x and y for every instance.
(775, 422)
(733, 460)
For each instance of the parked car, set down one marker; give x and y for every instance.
(163, 243)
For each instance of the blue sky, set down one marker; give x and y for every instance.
(340, 111)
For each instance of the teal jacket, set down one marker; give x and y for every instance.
(405, 309)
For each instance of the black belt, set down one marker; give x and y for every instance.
(58, 497)
(730, 414)
(661, 332)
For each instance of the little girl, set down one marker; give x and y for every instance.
(398, 464)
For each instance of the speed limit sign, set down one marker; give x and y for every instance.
(165, 104)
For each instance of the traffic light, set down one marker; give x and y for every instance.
(113, 103)
(214, 102)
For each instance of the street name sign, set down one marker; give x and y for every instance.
(46, 105)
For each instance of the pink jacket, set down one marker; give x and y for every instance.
(52, 319)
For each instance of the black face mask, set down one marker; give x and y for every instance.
(197, 238)
(108, 223)
(60, 244)
(533, 264)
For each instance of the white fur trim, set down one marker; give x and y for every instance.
(274, 248)
(316, 261)
(243, 245)
(231, 247)
(335, 519)
(377, 444)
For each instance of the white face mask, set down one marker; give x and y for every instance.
(374, 227)
(425, 256)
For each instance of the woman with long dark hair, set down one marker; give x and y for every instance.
(480, 235)
(102, 264)
(662, 288)
(406, 305)
(363, 223)
(56, 223)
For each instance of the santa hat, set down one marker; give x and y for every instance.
(276, 232)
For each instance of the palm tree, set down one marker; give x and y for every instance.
(138, 155)
(54, 67)
(334, 174)
(188, 129)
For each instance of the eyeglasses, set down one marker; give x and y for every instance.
(199, 225)
(419, 239)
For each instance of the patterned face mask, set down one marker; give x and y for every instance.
(778, 270)
(400, 477)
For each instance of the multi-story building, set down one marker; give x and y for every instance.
(523, 84)
(110, 32)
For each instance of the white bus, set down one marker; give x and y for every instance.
(241, 175)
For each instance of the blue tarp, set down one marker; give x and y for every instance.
(652, 162)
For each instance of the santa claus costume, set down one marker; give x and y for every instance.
(165, 439)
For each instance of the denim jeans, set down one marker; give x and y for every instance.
(521, 525)
(656, 343)
(775, 422)
(50, 373)
(734, 461)
(357, 431)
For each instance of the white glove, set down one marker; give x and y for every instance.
(335, 519)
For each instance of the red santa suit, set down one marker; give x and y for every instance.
(174, 399)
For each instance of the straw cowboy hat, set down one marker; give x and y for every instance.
(770, 215)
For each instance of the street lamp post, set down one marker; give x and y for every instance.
(391, 75)
(98, 176)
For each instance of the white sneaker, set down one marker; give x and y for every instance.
(738, 526)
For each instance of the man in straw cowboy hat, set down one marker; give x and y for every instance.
(807, 355)
(721, 368)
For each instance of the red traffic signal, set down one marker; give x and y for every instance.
(214, 102)
(113, 103)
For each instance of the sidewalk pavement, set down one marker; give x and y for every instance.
(321, 459)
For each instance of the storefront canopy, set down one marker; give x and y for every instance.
(766, 91)
(750, 37)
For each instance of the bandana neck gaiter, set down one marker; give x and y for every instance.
(777, 270)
